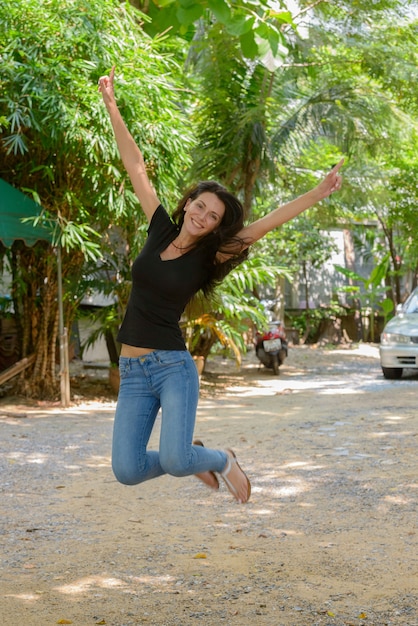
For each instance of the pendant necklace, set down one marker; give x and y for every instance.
(182, 248)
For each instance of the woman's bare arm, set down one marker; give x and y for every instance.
(130, 153)
(255, 231)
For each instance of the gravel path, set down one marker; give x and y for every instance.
(329, 536)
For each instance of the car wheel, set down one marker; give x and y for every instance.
(392, 373)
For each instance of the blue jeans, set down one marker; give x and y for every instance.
(166, 379)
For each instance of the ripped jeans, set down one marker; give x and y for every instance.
(165, 379)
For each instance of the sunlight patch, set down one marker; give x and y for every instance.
(90, 582)
(29, 597)
(341, 391)
(397, 500)
(289, 490)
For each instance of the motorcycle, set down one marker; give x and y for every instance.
(271, 347)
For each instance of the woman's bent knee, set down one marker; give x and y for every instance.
(124, 476)
(177, 467)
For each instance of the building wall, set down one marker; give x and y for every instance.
(325, 282)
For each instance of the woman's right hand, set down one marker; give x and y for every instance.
(129, 151)
(106, 87)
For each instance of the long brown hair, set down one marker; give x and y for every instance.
(224, 234)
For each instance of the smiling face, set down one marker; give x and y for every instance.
(203, 214)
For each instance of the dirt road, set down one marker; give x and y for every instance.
(329, 536)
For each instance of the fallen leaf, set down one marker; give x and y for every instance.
(103, 621)
(362, 616)
(64, 621)
(200, 555)
(330, 614)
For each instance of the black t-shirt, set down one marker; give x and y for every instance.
(161, 289)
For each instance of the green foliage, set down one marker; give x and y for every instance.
(387, 192)
(346, 88)
(57, 135)
(308, 322)
(271, 99)
(305, 242)
(234, 310)
(373, 288)
(256, 24)
(56, 139)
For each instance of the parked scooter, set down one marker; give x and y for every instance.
(271, 347)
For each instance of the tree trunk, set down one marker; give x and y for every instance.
(204, 345)
(350, 258)
(34, 289)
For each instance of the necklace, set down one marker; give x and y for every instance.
(182, 248)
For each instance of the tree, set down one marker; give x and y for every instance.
(380, 55)
(373, 291)
(57, 145)
(289, 92)
(235, 310)
(339, 90)
(256, 25)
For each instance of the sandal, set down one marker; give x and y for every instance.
(232, 460)
(209, 478)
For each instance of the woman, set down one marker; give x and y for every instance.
(195, 251)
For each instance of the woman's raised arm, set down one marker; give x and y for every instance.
(130, 153)
(255, 231)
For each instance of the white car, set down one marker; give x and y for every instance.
(399, 340)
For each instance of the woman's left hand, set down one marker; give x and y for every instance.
(332, 182)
